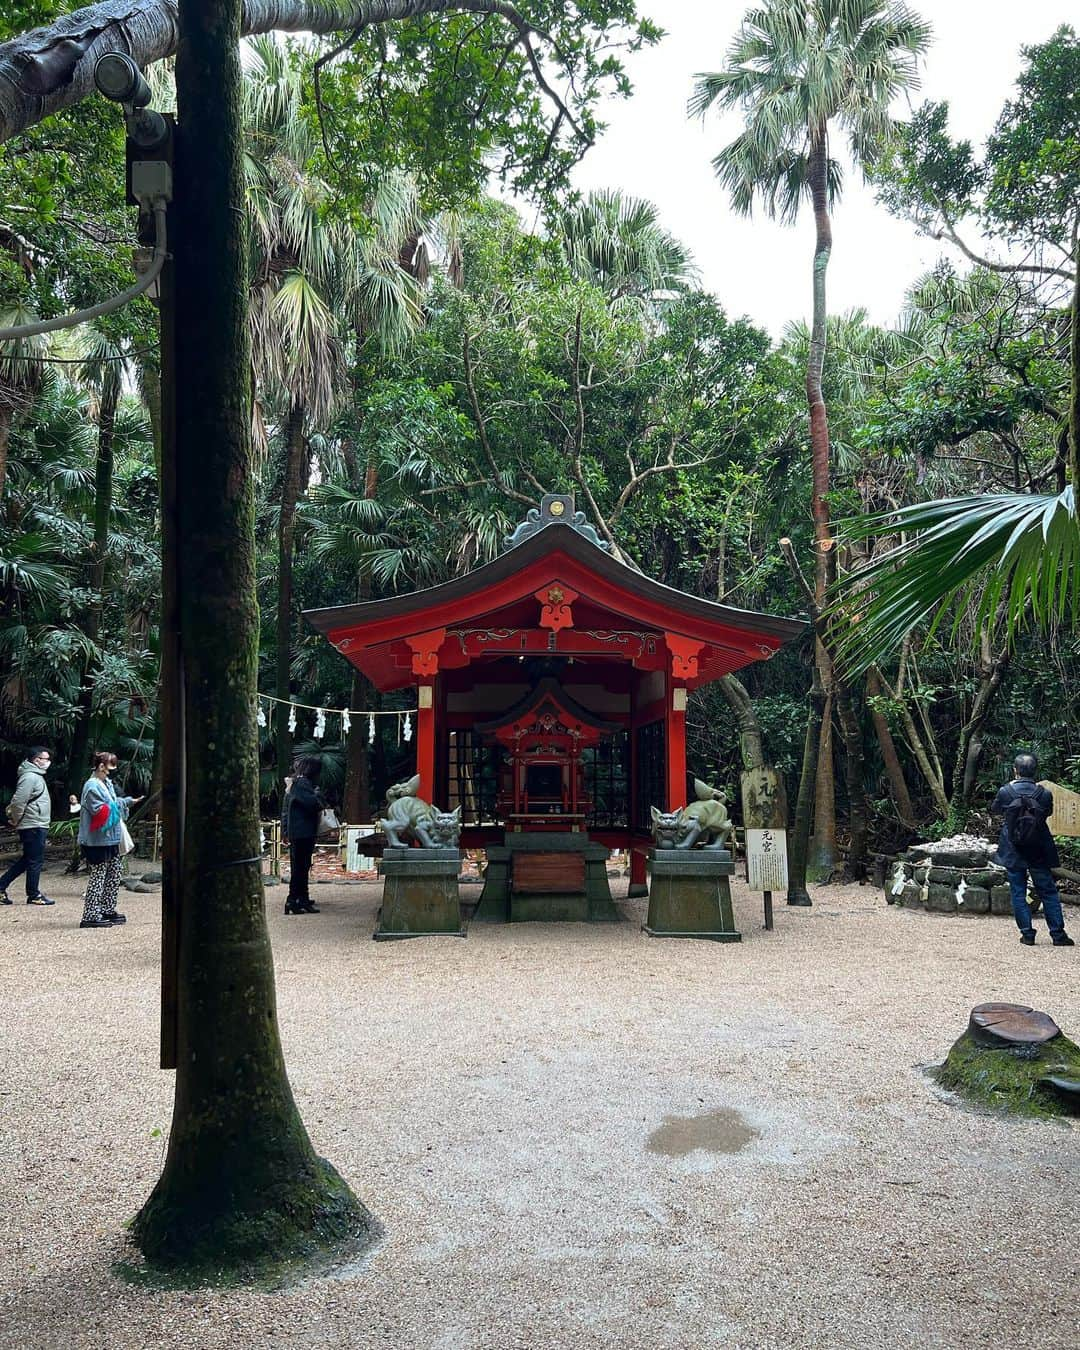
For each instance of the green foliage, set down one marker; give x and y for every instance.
(793, 68)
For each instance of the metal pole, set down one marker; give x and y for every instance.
(767, 895)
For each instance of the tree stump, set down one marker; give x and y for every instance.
(1015, 1059)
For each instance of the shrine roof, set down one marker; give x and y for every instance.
(491, 586)
(557, 588)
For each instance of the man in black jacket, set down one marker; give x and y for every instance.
(1036, 854)
(299, 829)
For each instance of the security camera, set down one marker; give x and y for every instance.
(118, 78)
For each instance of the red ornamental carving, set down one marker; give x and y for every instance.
(425, 650)
(556, 600)
(684, 656)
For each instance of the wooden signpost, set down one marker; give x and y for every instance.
(1065, 819)
(764, 804)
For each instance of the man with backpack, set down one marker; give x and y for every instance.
(1026, 845)
(30, 811)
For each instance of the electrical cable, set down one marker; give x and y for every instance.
(144, 283)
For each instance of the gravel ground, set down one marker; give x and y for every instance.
(499, 1102)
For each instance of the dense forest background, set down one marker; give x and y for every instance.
(425, 368)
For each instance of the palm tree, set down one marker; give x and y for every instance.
(21, 368)
(315, 278)
(617, 243)
(796, 69)
(102, 371)
(1011, 557)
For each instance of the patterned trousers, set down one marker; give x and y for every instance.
(102, 890)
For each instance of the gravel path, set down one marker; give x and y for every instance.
(492, 1100)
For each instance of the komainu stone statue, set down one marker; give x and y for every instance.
(706, 819)
(409, 817)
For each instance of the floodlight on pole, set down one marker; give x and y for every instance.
(119, 79)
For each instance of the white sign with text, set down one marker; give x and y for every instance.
(766, 858)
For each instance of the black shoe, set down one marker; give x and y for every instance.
(95, 923)
(39, 899)
(293, 907)
(1064, 940)
(5, 899)
(308, 907)
(114, 917)
(1028, 939)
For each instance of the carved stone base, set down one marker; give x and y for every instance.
(420, 894)
(690, 894)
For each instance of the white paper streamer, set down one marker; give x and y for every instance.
(346, 723)
(319, 729)
(260, 714)
(371, 730)
(292, 716)
(408, 727)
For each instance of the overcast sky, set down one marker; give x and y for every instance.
(756, 267)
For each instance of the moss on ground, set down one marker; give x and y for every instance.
(1008, 1080)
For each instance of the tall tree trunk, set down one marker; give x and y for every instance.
(78, 760)
(751, 742)
(924, 758)
(242, 1187)
(898, 787)
(799, 835)
(969, 750)
(823, 858)
(821, 865)
(5, 440)
(297, 472)
(854, 779)
(356, 801)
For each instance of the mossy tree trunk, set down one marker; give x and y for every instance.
(79, 758)
(295, 484)
(242, 1187)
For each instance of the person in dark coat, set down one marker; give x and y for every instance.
(1037, 856)
(300, 814)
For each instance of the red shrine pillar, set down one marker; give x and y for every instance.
(425, 665)
(683, 667)
(425, 738)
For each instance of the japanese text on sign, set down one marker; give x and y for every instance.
(766, 857)
(1066, 817)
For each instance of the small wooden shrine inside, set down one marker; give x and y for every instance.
(551, 692)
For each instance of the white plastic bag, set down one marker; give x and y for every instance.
(328, 821)
(126, 841)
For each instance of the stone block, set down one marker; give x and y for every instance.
(946, 876)
(420, 897)
(687, 900)
(1001, 900)
(911, 896)
(976, 901)
(941, 898)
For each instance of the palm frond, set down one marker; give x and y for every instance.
(1017, 556)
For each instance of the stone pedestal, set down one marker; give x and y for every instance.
(588, 901)
(420, 894)
(690, 894)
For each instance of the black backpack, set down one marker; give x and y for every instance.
(1022, 820)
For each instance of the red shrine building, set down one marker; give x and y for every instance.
(551, 685)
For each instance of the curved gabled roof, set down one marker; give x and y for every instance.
(491, 585)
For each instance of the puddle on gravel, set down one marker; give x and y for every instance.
(723, 1131)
